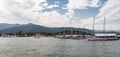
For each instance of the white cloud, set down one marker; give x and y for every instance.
(82, 4)
(53, 19)
(2, 5)
(112, 6)
(22, 13)
(111, 10)
(3, 10)
(12, 11)
(26, 11)
(52, 6)
(45, 4)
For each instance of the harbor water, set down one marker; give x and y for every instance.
(54, 47)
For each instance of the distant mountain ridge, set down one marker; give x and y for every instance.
(108, 31)
(15, 28)
(36, 28)
(5, 25)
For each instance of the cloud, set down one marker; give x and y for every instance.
(53, 19)
(30, 11)
(13, 11)
(25, 12)
(82, 4)
(52, 6)
(110, 10)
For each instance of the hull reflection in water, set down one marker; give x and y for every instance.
(102, 39)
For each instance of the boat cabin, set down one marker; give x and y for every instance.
(106, 35)
(118, 36)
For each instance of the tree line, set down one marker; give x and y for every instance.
(65, 32)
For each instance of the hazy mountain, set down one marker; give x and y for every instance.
(37, 28)
(15, 28)
(5, 25)
(108, 31)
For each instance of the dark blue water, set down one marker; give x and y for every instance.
(52, 47)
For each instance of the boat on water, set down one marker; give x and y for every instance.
(102, 36)
(118, 36)
(70, 36)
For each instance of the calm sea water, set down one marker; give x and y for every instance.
(52, 47)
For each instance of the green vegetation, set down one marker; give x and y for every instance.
(73, 32)
(65, 32)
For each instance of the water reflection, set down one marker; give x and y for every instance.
(51, 47)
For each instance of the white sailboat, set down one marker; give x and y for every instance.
(102, 36)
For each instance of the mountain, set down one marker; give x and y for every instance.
(25, 28)
(5, 25)
(37, 28)
(15, 28)
(108, 31)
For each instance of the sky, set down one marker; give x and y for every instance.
(62, 13)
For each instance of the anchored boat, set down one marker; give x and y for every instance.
(102, 36)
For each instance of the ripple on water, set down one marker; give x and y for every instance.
(52, 47)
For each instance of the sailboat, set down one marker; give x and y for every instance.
(102, 36)
(66, 35)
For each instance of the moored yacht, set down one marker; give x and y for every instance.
(102, 36)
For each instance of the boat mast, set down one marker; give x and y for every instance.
(93, 26)
(71, 28)
(104, 26)
(71, 31)
(59, 33)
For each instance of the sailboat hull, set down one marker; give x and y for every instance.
(102, 39)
